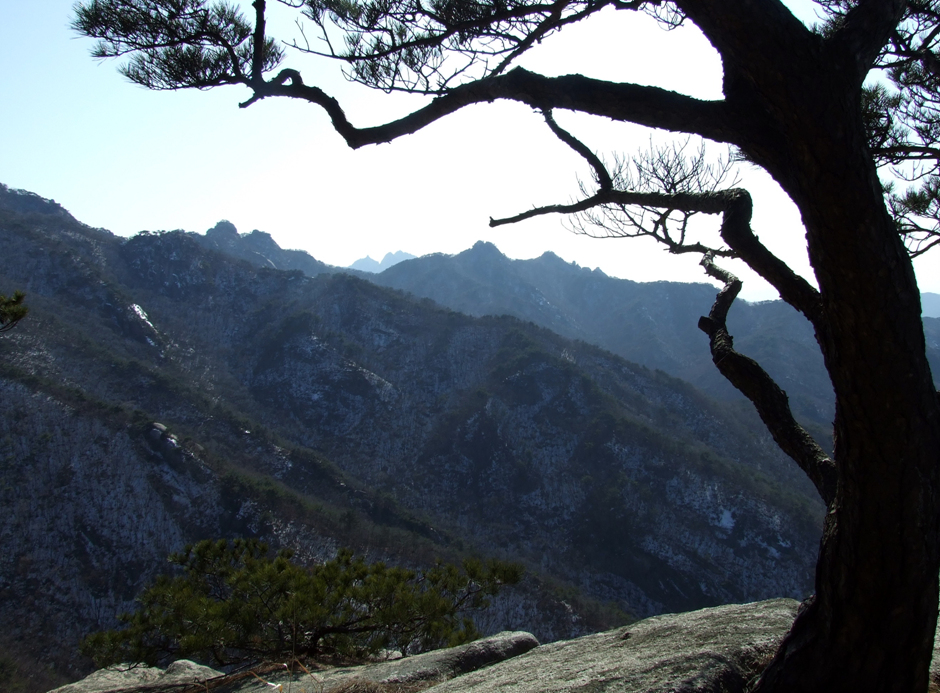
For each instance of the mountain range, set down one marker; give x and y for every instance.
(176, 386)
(650, 323)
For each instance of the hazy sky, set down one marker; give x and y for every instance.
(126, 159)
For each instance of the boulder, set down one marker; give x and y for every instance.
(712, 650)
(427, 668)
(126, 678)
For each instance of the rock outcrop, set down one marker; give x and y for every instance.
(173, 678)
(717, 649)
(422, 670)
(428, 668)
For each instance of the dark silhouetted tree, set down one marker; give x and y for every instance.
(796, 102)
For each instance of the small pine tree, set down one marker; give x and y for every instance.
(12, 310)
(236, 602)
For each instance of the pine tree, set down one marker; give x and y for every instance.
(237, 602)
(12, 310)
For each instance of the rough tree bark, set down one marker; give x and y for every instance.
(871, 623)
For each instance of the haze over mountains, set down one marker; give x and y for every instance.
(367, 264)
(300, 403)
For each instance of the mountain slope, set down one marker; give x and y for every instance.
(315, 411)
(652, 323)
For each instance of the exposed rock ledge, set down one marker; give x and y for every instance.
(711, 650)
(415, 673)
(718, 649)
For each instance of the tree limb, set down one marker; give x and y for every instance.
(257, 58)
(744, 373)
(643, 105)
(737, 233)
(604, 181)
(864, 31)
(768, 398)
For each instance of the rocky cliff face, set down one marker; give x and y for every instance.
(320, 411)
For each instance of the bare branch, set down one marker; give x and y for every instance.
(408, 44)
(601, 174)
(768, 398)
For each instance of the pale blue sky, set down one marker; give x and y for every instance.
(125, 159)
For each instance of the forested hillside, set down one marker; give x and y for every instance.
(653, 323)
(323, 411)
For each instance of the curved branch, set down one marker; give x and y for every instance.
(604, 181)
(573, 208)
(768, 398)
(737, 233)
(634, 103)
(551, 23)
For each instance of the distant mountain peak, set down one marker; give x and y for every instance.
(483, 252)
(224, 229)
(367, 264)
(485, 246)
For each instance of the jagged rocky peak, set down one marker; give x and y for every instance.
(367, 264)
(224, 230)
(484, 249)
(261, 241)
(551, 261)
(549, 256)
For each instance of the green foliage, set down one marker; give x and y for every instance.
(236, 602)
(12, 310)
(192, 43)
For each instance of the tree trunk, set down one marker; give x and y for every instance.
(871, 624)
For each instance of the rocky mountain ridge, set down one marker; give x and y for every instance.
(650, 323)
(324, 411)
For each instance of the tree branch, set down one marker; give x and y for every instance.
(864, 31)
(744, 373)
(737, 233)
(604, 181)
(768, 398)
(257, 58)
(643, 105)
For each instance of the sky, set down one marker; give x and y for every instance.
(126, 159)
